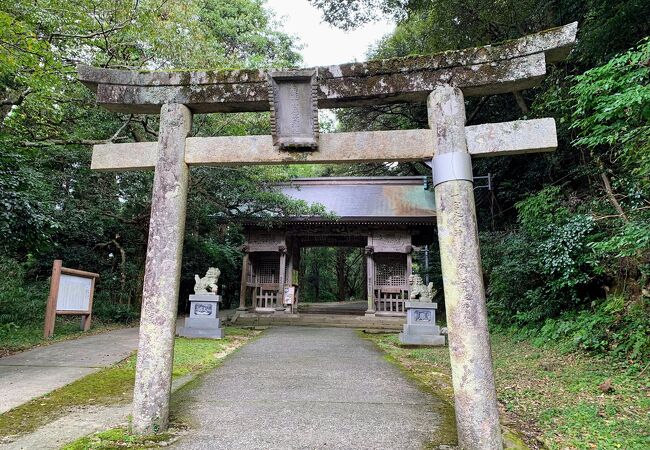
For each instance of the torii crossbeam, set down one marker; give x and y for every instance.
(442, 80)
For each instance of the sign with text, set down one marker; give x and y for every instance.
(294, 110)
(71, 292)
(289, 295)
(74, 293)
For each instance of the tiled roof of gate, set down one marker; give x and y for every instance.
(368, 199)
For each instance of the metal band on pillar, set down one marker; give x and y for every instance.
(452, 166)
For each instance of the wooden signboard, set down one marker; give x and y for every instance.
(71, 292)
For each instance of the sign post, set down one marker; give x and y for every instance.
(71, 292)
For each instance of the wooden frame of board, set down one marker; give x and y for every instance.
(53, 308)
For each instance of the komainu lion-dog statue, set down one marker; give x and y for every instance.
(420, 291)
(207, 284)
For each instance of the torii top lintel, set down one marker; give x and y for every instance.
(515, 65)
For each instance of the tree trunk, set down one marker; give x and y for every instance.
(611, 196)
(341, 253)
(521, 102)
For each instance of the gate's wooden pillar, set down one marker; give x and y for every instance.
(243, 285)
(279, 305)
(364, 270)
(477, 415)
(370, 281)
(162, 273)
(289, 275)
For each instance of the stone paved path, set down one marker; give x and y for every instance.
(33, 373)
(308, 388)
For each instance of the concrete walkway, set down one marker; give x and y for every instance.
(36, 372)
(309, 388)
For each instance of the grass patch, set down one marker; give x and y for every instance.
(18, 338)
(552, 398)
(114, 385)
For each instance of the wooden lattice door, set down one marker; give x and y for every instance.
(264, 279)
(391, 283)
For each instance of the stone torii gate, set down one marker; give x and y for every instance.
(442, 80)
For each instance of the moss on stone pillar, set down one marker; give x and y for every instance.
(477, 415)
(153, 377)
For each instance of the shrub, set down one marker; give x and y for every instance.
(612, 325)
(20, 302)
(23, 301)
(109, 311)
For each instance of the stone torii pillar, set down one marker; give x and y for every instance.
(512, 66)
(153, 373)
(477, 415)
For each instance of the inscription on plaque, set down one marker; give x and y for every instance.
(294, 111)
(203, 309)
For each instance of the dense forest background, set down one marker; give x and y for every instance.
(565, 237)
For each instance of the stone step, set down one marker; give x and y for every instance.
(338, 312)
(320, 320)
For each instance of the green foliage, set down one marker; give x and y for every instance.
(25, 212)
(547, 277)
(607, 26)
(612, 110)
(20, 303)
(564, 256)
(567, 229)
(553, 395)
(540, 270)
(612, 326)
(632, 240)
(52, 206)
(113, 312)
(247, 33)
(348, 14)
(331, 274)
(542, 210)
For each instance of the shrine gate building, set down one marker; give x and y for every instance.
(387, 216)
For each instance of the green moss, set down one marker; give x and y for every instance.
(119, 438)
(435, 383)
(546, 394)
(108, 386)
(80, 444)
(114, 385)
(512, 440)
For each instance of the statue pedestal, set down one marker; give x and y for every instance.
(203, 321)
(420, 327)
